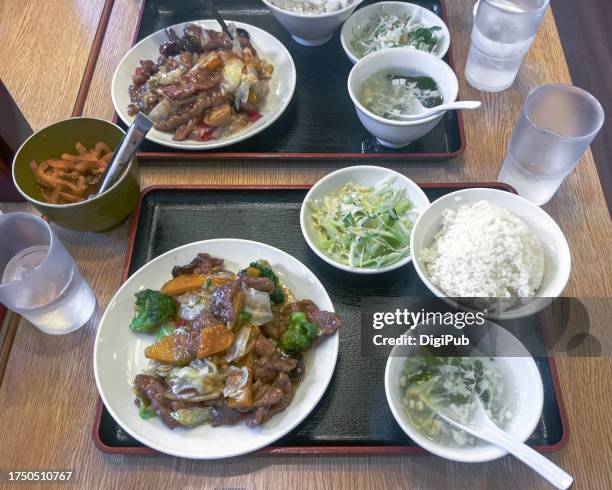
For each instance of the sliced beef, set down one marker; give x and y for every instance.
(267, 368)
(284, 385)
(270, 399)
(266, 395)
(224, 415)
(326, 321)
(201, 40)
(205, 319)
(256, 417)
(144, 72)
(222, 297)
(190, 83)
(185, 130)
(263, 284)
(275, 328)
(202, 264)
(153, 388)
(173, 46)
(264, 347)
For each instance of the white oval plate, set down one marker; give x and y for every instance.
(119, 356)
(281, 85)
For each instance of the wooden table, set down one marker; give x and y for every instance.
(48, 394)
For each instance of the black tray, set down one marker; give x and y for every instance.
(321, 121)
(353, 415)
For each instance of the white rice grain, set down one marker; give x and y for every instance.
(483, 251)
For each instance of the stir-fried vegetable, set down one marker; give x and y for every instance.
(145, 410)
(218, 357)
(365, 227)
(257, 306)
(152, 308)
(392, 31)
(299, 334)
(192, 417)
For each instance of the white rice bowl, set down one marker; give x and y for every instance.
(312, 7)
(484, 251)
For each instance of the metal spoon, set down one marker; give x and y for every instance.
(215, 13)
(451, 106)
(482, 427)
(124, 152)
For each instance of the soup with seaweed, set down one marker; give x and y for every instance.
(393, 96)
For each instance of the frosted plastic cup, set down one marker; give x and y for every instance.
(556, 126)
(501, 36)
(39, 278)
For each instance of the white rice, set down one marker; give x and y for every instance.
(312, 6)
(483, 251)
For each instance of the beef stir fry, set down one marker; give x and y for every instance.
(203, 85)
(229, 346)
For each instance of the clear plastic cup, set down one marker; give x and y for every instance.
(39, 278)
(502, 34)
(556, 126)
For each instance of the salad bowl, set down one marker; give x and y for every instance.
(364, 175)
(365, 15)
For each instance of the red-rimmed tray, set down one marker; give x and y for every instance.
(320, 122)
(369, 427)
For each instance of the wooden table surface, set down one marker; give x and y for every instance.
(48, 394)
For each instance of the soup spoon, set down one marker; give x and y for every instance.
(451, 106)
(482, 427)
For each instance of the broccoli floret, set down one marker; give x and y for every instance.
(277, 296)
(152, 307)
(299, 334)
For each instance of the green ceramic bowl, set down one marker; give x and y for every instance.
(96, 214)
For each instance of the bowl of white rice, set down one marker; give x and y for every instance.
(494, 247)
(311, 22)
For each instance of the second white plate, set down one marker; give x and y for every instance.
(119, 355)
(281, 85)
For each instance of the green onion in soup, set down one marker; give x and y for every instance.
(394, 96)
(451, 384)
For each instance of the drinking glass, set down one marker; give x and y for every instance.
(556, 126)
(40, 280)
(502, 34)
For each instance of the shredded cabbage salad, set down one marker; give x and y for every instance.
(392, 31)
(366, 227)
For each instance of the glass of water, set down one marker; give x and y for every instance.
(502, 34)
(556, 126)
(40, 280)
